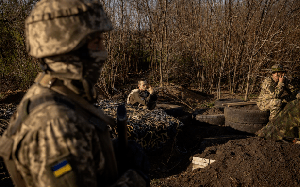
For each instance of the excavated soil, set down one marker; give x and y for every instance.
(244, 162)
(241, 159)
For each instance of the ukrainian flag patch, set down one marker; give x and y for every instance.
(61, 168)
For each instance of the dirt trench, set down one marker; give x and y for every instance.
(241, 159)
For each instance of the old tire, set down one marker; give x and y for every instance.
(244, 127)
(238, 115)
(217, 119)
(245, 120)
(219, 103)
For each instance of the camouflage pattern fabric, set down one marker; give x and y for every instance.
(142, 98)
(69, 66)
(51, 133)
(277, 68)
(270, 97)
(56, 27)
(65, 66)
(285, 125)
(55, 133)
(137, 96)
(150, 128)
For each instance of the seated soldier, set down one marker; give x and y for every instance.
(143, 96)
(271, 95)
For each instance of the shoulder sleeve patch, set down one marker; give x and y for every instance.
(61, 168)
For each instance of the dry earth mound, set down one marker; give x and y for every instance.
(246, 162)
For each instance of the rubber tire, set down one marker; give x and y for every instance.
(218, 119)
(237, 115)
(219, 102)
(244, 127)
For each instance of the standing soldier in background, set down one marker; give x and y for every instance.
(143, 96)
(271, 95)
(57, 137)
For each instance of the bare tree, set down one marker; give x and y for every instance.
(212, 45)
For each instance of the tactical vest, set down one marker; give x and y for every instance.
(81, 106)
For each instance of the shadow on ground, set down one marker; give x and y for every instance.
(192, 139)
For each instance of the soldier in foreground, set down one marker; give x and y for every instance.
(143, 96)
(57, 137)
(271, 95)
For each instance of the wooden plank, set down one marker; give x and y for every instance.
(239, 103)
(168, 106)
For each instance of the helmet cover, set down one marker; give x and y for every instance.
(277, 68)
(57, 27)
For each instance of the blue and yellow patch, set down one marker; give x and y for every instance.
(61, 168)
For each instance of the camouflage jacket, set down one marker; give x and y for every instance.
(58, 144)
(137, 96)
(272, 90)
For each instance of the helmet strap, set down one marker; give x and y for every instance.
(72, 86)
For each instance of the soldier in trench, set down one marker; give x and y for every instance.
(271, 96)
(143, 96)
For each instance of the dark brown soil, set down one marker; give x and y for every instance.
(246, 162)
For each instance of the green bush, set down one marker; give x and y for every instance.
(17, 68)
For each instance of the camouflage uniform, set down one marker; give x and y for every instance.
(285, 125)
(142, 98)
(271, 96)
(138, 97)
(57, 137)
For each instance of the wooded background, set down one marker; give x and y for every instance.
(210, 45)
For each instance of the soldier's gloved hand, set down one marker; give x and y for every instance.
(135, 159)
(150, 90)
(298, 95)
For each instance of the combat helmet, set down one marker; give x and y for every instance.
(56, 27)
(277, 68)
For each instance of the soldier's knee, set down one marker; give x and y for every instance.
(276, 102)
